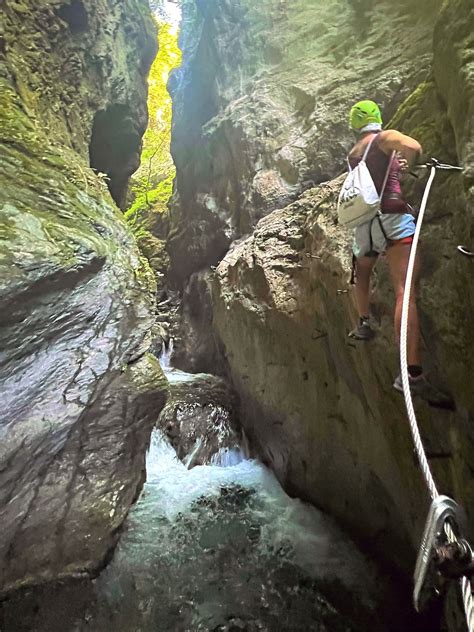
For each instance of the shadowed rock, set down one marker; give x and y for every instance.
(260, 105)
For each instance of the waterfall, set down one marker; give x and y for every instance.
(166, 354)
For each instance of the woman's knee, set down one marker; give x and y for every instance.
(364, 265)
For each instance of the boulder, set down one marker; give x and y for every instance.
(321, 407)
(199, 419)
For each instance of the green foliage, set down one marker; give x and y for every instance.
(152, 182)
(154, 200)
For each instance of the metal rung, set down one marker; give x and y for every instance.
(434, 162)
(464, 251)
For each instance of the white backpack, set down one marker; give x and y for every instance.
(358, 200)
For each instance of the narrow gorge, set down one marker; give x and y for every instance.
(189, 439)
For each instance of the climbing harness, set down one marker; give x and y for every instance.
(442, 546)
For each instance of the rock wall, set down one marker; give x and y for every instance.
(321, 408)
(79, 392)
(80, 70)
(261, 115)
(261, 99)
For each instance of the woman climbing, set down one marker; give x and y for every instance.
(392, 233)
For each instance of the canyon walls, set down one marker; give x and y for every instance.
(261, 104)
(79, 391)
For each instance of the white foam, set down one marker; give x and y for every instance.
(318, 546)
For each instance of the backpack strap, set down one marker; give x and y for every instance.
(392, 156)
(387, 173)
(369, 145)
(364, 156)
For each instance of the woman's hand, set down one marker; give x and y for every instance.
(404, 166)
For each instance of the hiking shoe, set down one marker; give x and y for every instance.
(363, 331)
(419, 386)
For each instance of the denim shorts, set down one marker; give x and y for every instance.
(369, 237)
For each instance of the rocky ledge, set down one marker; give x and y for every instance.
(320, 406)
(199, 419)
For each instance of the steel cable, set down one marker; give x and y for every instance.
(465, 584)
(404, 351)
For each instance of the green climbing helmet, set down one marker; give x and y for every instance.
(363, 113)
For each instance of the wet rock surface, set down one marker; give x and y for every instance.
(196, 346)
(219, 549)
(80, 70)
(322, 407)
(260, 111)
(199, 419)
(79, 393)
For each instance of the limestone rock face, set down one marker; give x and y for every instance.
(272, 107)
(261, 100)
(198, 349)
(320, 407)
(80, 69)
(79, 393)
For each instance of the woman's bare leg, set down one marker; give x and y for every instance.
(364, 267)
(397, 257)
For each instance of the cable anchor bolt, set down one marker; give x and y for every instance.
(455, 559)
(433, 554)
(434, 162)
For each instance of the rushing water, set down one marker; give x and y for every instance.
(220, 547)
(224, 548)
(165, 358)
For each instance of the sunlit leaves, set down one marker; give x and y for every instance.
(156, 163)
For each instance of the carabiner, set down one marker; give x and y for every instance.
(426, 577)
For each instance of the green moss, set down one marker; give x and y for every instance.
(154, 251)
(16, 126)
(55, 213)
(148, 220)
(423, 116)
(147, 374)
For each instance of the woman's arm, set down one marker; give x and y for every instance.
(391, 140)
